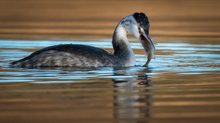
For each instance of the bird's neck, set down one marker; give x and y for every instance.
(122, 49)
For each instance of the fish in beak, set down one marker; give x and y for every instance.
(148, 46)
(143, 28)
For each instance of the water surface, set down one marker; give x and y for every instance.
(182, 82)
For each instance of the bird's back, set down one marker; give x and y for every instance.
(67, 55)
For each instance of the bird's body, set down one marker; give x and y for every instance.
(70, 55)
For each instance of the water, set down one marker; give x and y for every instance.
(182, 82)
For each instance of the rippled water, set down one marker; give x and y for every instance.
(183, 81)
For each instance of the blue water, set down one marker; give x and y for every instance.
(172, 57)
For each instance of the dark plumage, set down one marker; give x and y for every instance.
(84, 53)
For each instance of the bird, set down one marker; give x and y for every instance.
(75, 55)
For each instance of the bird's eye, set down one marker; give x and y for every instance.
(127, 22)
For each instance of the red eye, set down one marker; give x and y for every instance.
(127, 23)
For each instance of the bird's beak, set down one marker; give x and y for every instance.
(148, 45)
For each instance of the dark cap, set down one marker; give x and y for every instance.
(143, 21)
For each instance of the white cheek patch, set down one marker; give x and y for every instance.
(132, 27)
(134, 31)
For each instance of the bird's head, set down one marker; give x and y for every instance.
(138, 24)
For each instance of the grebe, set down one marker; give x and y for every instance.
(70, 55)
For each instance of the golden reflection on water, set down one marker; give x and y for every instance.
(121, 99)
(170, 19)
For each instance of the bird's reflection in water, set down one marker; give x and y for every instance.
(132, 97)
